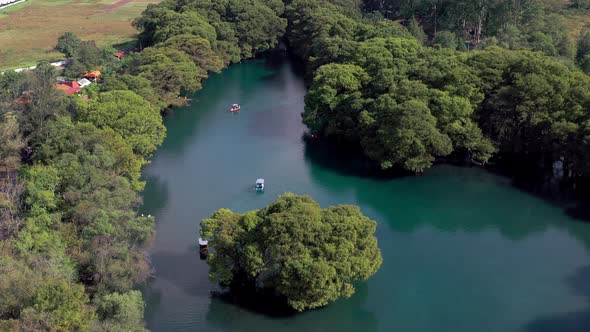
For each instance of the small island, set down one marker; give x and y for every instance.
(303, 254)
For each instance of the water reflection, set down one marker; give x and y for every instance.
(344, 315)
(466, 199)
(578, 321)
(155, 195)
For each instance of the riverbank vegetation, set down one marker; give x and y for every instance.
(406, 104)
(294, 249)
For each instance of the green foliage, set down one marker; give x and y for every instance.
(45, 102)
(531, 24)
(408, 134)
(534, 105)
(234, 29)
(68, 44)
(308, 255)
(170, 72)
(257, 26)
(446, 39)
(199, 49)
(582, 4)
(83, 56)
(131, 116)
(583, 55)
(61, 306)
(121, 312)
(158, 24)
(138, 84)
(84, 139)
(11, 141)
(406, 104)
(17, 286)
(335, 100)
(416, 30)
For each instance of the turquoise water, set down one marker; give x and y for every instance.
(463, 250)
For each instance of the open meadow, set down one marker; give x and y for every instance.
(29, 30)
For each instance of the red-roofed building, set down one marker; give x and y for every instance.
(69, 88)
(119, 55)
(92, 75)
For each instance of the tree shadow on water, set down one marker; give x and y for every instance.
(154, 196)
(344, 159)
(184, 270)
(573, 321)
(260, 303)
(228, 311)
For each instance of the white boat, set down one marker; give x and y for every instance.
(259, 185)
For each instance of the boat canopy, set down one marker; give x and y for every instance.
(235, 105)
(260, 181)
(203, 242)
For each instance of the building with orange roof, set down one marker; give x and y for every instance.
(69, 88)
(93, 75)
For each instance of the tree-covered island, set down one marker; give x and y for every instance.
(307, 255)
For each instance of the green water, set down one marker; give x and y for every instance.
(463, 250)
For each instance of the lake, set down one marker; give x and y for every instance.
(463, 249)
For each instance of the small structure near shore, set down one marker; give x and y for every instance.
(203, 248)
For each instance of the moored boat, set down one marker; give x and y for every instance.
(203, 248)
(235, 108)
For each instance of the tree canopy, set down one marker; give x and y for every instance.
(131, 116)
(308, 255)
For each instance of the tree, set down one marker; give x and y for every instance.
(258, 27)
(445, 39)
(68, 44)
(61, 306)
(138, 84)
(88, 57)
(45, 102)
(121, 312)
(307, 255)
(199, 49)
(11, 208)
(68, 138)
(334, 100)
(583, 45)
(171, 72)
(582, 4)
(131, 116)
(17, 287)
(11, 141)
(405, 133)
(158, 24)
(416, 30)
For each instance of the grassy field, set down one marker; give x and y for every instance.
(29, 30)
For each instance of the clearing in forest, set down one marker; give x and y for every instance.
(29, 30)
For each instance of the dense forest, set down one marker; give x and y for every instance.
(467, 78)
(406, 104)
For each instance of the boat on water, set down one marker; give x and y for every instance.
(235, 108)
(203, 248)
(259, 185)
